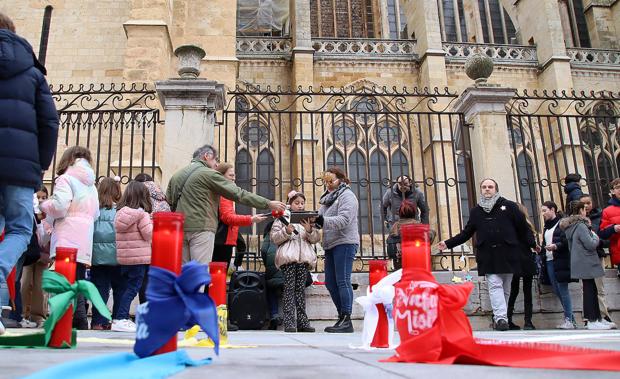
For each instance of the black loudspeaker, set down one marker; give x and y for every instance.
(247, 300)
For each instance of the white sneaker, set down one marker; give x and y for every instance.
(610, 323)
(567, 324)
(2, 330)
(597, 325)
(123, 326)
(28, 324)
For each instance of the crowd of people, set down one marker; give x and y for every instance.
(112, 227)
(573, 249)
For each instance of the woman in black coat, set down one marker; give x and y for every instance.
(528, 270)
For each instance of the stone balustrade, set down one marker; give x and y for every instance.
(594, 57)
(364, 49)
(501, 54)
(264, 47)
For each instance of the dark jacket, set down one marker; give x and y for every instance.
(527, 258)
(393, 198)
(500, 236)
(561, 256)
(268, 249)
(28, 117)
(595, 220)
(573, 192)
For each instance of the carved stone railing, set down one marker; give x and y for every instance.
(504, 54)
(364, 49)
(594, 57)
(264, 47)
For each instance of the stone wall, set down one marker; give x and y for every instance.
(86, 40)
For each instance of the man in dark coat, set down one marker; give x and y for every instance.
(28, 133)
(393, 198)
(500, 228)
(572, 189)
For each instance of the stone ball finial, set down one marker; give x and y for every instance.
(190, 57)
(479, 67)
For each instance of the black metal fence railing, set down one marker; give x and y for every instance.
(117, 122)
(282, 140)
(553, 134)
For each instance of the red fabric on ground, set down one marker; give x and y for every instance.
(448, 338)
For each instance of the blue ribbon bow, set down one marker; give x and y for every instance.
(175, 302)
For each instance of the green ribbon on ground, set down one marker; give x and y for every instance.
(65, 294)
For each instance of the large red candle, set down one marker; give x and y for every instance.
(378, 271)
(65, 265)
(415, 246)
(167, 250)
(217, 289)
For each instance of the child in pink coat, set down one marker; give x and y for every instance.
(72, 210)
(134, 231)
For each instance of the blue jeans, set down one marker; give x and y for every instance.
(132, 277)
(561, 291)
(16, 215)
(104, 278)
(338, 267)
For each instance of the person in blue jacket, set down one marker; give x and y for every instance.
(28, 134)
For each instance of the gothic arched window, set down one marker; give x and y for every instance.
(359, 185)
(378, 171)
(243, 174)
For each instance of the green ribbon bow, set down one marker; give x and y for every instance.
(66, 295)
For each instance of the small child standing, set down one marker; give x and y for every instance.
(74, 207)
(105, 272)
(134, 232)
(295, 255)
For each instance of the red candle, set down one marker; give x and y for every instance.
(217, 289)
(167, 249)
(65, 265)
(378, 271)
(415, 246)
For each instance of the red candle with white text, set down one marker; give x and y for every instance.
(415, 246)
(64, 265)
(167, 249)
(217, 289)
(378, 271)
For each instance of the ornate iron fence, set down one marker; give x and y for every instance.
(555, 133)
(282, 139)
(117, 122)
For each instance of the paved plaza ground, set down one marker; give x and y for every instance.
(275, 354)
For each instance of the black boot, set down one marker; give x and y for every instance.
(346, 326)
(340, 318)
(528, 325)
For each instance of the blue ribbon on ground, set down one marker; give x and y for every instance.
(122, 366)
(173, 303)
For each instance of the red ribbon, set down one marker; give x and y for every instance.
(434, 329)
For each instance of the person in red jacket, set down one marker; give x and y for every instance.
(229, 221)
(610, 222)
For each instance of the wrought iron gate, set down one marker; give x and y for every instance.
(117, 122)
(556, 133)
(281, 140)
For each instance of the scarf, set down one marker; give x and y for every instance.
(329, 198)
(551, 223)
(488, 204)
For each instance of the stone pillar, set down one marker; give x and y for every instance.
(149, 47)
(601, 27)
(190, 105)
(484, 108)
(473, 22)
(539, 23)
(423, 21)
(565, 20)
(302, 76)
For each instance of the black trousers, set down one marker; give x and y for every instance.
(294, 298)
(527, 296)
(79, 313)
(222, 253)
(591, 311)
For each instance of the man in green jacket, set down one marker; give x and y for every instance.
(195, 190)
